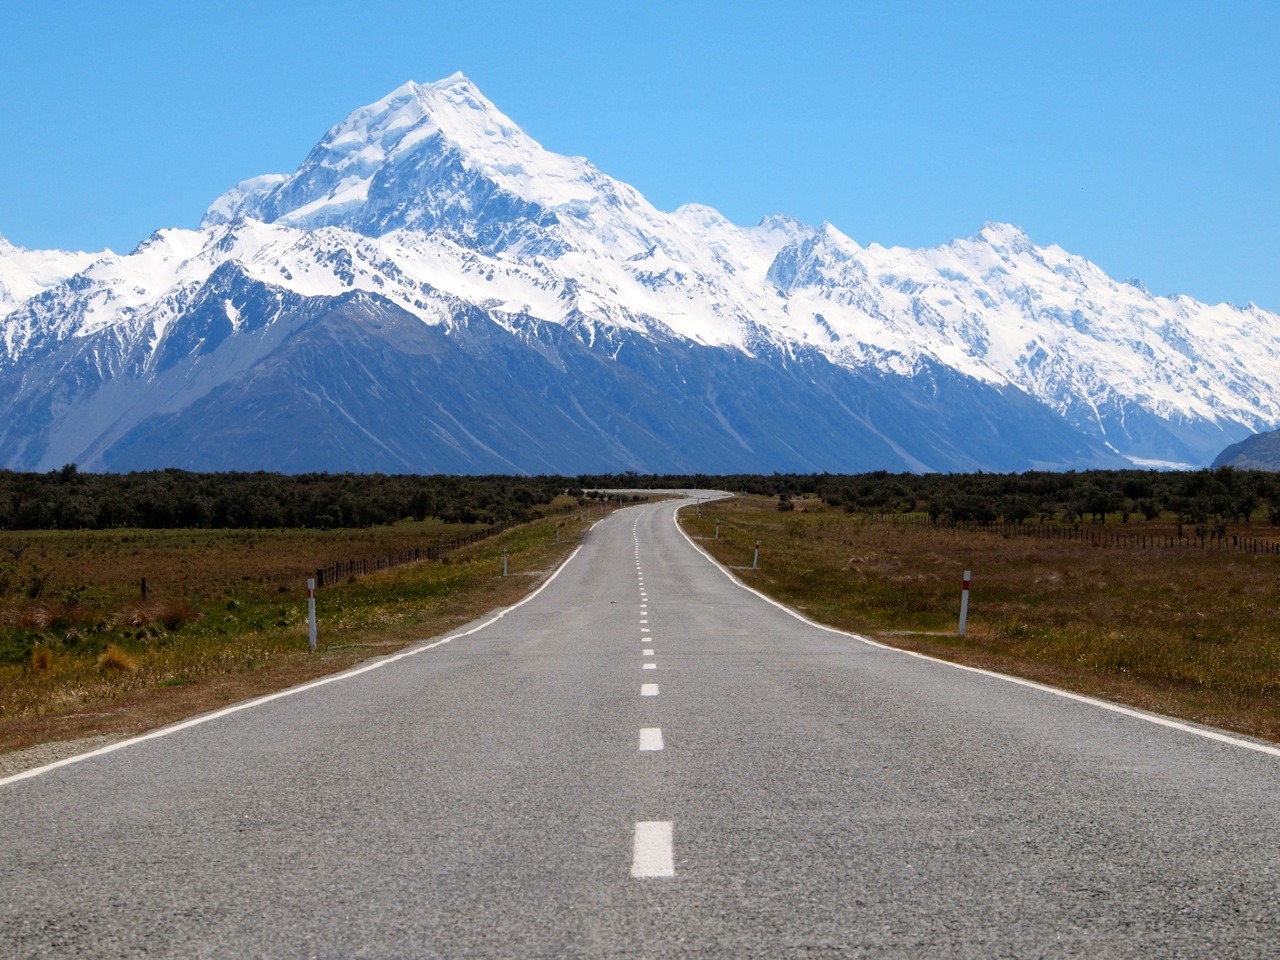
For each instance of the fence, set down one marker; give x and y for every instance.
(339, 570)
(1099, 538)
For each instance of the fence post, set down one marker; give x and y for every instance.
(964, 604)
(144, 588)
(311, 613)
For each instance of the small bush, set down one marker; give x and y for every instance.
(170, 614)
(114, 658)
(176, 615)
(40, 658)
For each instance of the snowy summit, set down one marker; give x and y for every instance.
(428, 224)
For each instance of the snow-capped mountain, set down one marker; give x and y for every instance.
(24, 273)
(432, 290)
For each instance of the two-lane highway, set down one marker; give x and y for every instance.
(645, 759)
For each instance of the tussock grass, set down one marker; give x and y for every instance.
(1186, 632)
(114, 658)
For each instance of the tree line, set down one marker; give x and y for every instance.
(1195, 496)
(71, 499)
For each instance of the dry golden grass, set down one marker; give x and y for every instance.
(1186, 632)
(114, 658)
(226, 616)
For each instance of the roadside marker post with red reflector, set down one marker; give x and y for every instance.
(755, 560)
(964, 603)
(311, 612)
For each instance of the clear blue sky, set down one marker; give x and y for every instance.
(1145, 136)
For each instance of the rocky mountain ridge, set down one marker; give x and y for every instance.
(428, 225)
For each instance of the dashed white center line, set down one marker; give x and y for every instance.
(644, 629)
(650, 738)
(647, 653)
(644, 621)
(648, 689)
(652, 855)
(649, 666)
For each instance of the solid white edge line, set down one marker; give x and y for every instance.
(1154, 718)
(236, 708)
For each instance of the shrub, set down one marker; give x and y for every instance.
(114, 658)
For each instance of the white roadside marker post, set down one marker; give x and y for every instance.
(755, 560)
(717, 529)
(964, 603)
(311, 612)
(504, 561)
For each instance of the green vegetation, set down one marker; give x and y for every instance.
(67, 499)
(1200, 497)
(1188, 632)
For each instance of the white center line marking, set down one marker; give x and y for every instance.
(652, 854)
(651, 738)
(644, 629)
(644, 621)
(649, 666)
(648, 689)
(647, 653)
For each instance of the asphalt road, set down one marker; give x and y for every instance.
(495, 796)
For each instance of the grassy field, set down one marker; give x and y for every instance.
(1184, 632)
(82, 654)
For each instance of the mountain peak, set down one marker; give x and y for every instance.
(1003, 235)
(396, 162)
(457, 81)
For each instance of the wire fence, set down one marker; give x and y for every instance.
(341, 570)
(1078, 533)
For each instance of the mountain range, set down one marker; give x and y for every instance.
(433, 291)
(1258, 452)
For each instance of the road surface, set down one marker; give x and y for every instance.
(647, 760)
